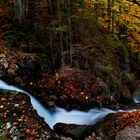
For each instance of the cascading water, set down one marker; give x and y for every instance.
(61, 115)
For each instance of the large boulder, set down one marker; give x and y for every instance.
(74, 131)
(130, 132)
(19, 67)
(115, 126)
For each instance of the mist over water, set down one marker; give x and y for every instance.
(56, 115)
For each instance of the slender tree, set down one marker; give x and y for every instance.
(109, 14)
(19, 10)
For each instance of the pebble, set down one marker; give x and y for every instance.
(2, 56)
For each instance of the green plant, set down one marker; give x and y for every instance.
(123, 51)
(12, 40)
(4, 135)
(111, 84)
(57, 26)
(106, 69)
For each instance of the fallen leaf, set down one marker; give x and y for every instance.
(3, 99)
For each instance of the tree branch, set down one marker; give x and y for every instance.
(136, 2)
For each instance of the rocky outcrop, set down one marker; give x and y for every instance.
(74, 131)
(19, 67)
(130, 132)
(115, 126)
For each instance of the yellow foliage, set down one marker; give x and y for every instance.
(115, 8)
(125, 17)
(134, 41)
(130, 16)
(90, 2)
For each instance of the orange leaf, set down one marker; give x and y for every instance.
(3, 99)
(7, 111)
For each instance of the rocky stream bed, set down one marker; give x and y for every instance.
(69, 88)
(19, 120)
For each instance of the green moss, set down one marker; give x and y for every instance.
(138, 123)
(12, 40)
(4, 136)
(57, 26)
(106, 69)
(111, 84)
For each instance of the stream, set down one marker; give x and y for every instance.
(61, 115)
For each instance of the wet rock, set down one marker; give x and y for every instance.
(51, 104)
(4, 63)
(115, 125)
(13, 64)
(2, 56)
(74, 131)
(130, 132)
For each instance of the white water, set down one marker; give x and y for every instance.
(61, 115)
(136, 95)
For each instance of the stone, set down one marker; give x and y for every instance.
(4, 63)
(2, 56)
(74, 131)
(130, 132)
(119, 126)
(51, 104)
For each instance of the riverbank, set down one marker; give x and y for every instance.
(69, 88)
(19, 120)
(115, 126)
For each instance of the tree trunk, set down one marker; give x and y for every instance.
(109, 14)
(32, 11)
(113, 18)
(96, 15)
(19, 10)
